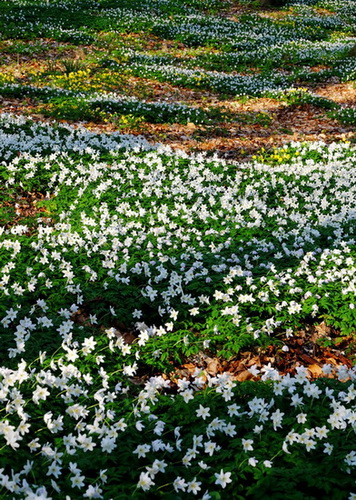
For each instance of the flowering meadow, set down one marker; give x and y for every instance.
(135, 277)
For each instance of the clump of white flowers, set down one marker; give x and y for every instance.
(142, 255)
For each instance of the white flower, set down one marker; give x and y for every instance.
(321, 432)
(179, 484)
(55, 486)
(159, 466)
(193, 486)
(40, 494)
(88, 345)
(233, 410)
(145, 482)
(203, 465)
(108, 444)
(254, 370)
(203, 412)
(173, 314)
(86, 443)
(312, 390)
(210, 447)
(34, 444)
(247, 444)
(187, 395)
(12, 437)
(296, 400)
(142, 450)
(328, 448)
(27, 467)
(54, 470)
(93, 492)
(77, 411)
(130, 370)
(350, 458)
(301, 418)
(223, 478)
(310, 444)
(40, 394)
(277, 418)
(77, 481)
(74, 469)
(139, 425)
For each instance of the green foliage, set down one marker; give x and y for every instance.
(346, 116)
(125, 266)
(301, 96)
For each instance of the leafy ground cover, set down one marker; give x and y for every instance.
(177, 249)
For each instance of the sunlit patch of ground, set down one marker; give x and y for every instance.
(342, 93)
